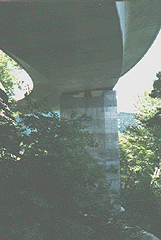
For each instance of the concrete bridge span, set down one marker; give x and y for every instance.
(69, 47)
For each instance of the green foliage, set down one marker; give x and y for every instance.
(8, 76)
(140, 154)
(156, 92)
(155, 120)
(57, 190)
(51, 188)
(10, 137)
(146, 107)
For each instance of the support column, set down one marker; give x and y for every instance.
(104, 126)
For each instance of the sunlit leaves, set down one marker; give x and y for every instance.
(8, 76)
(140, 154)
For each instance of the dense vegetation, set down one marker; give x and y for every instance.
(51, 188)
(140, 154)
(54, 189)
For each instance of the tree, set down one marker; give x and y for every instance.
(57, 189)
(54, 189)
(10, 136)
(8, 76)
(156, 92)
(140, 153)
(155, 120)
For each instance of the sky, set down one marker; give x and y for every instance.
(134, 82)
(139, 78)
(22, 75)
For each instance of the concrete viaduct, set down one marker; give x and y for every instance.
(75, 51)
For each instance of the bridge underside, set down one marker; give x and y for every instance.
(72, 46)
(75, 46)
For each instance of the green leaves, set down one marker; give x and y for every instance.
(56, 188)
(8, 76)
(140, 154)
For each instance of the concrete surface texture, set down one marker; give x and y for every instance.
(77, 45)
(149, 236)
(104, 126)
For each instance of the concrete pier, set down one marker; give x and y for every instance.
(104, 126)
